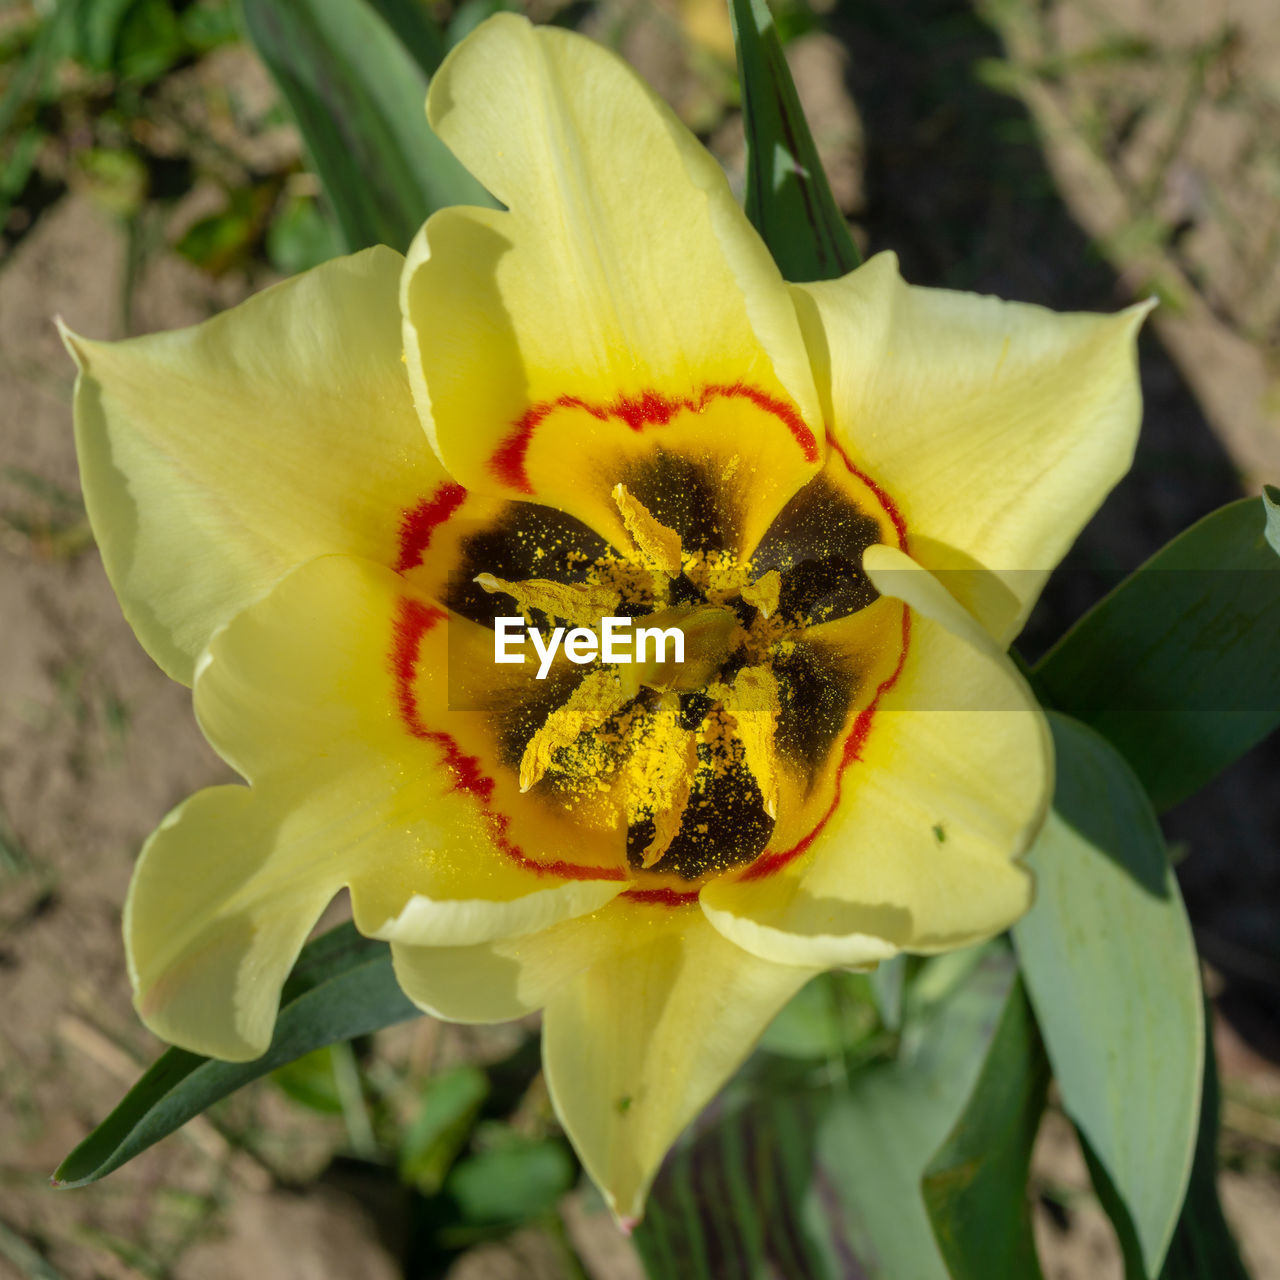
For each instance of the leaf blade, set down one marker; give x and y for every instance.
(1178, 667)
(359, 96)
(975, 1187)
(1111, 970)
(788, 198)
(1203, 1247)
(342, 987)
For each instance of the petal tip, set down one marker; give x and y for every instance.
(440, 99)
(73, 342)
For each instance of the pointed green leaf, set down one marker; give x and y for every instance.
(788, 198)
(1179, 666)
(1111, 969)
(1271, 501)
(976, 1185)
(341, 987)
(359, 96)
(1203, 1247)
(414, 27)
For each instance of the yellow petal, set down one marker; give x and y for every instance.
(216, 458)
(919, 852)
(497, 981)
(635, 1045)
(623, 302)
(305, 692)
(996, 427)
(222, 899)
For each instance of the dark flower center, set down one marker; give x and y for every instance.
(692, 756)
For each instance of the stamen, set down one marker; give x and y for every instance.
(582, 604)
(599, 696)
(658, 543)
(664, 767)
(764, 592)
(709, 635)
(754, 703)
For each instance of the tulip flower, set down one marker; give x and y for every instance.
(600, 402)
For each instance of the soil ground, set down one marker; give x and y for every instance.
(1066, 153)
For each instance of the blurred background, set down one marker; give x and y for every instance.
(1075, 153)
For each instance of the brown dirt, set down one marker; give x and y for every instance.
(96, 745)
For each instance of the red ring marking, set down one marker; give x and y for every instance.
(768, 863)
(890, 507)
(419, 522)
(648, 409)
(413, 620)
(661, 897)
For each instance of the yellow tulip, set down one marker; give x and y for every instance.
(602, 399)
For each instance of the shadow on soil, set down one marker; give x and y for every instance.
(956, 183)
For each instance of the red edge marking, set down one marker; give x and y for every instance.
(768, 863)
(661, 897)
(413, 621)
(418, 523)
(890, 507)
(648, 409)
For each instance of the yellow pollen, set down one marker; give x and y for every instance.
(659, 777)
(657, 543)
(599, 696)
(621, 749)
(753, 700)
(764, 592)
(582, 604)
(709, 635)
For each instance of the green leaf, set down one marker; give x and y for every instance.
(206, 27)
(975, 1187)
(827, 1018)
(17, 166)
(301, 237)
(887, 982)
(519, 1182)
(309, 1081)
(881, 1139)
(98, 25)
(471, 13)
(415, 29)
(1271, 502)
(115, 180)
(788, 198)
(440, 1129)
(341, 987)
(30, 76)
(1203, 1247)
(216, 243)
(148, 42)
(826, 1183)
(358, 96)
(1111, 969)
(1179, 666)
